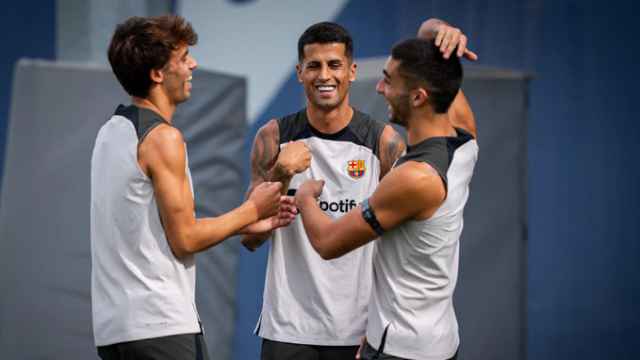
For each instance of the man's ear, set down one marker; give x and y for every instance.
(352, 71)
(419, 97)
(299, 72)
(157, 75)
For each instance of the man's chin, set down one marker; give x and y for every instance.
(183, 99)
(326, 105)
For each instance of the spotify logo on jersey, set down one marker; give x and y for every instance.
(342, 206)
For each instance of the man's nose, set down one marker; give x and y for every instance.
(324, 73)
(380, 86)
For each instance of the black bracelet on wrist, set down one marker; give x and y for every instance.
(370, 217)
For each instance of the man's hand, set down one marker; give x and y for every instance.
(447, 38)
(285, 216)
(266, 199)
(309, 189)
(293, 158)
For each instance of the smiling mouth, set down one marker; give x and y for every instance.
(325, 88)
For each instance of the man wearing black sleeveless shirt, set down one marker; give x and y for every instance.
(416, 211)
(355, 151)
(304, 316)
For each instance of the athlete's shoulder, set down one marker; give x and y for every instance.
(164, 138)
(363, 120)
(292, 125)
(163, 148)
(390, 149)
(418, 180)
(294, 116)
(269, 131)
(366, 130)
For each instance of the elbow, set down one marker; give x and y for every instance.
(328, 255)
(180, 252)
(324, 251)
(181, 247)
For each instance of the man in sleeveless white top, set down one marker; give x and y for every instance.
(309, 309)
(416, 211)
(143, 227)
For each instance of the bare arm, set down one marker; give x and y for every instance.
(391, 148)
(162, 156)
(263, 157)
(269, 164)
(460, 114)
(411, 191)
(264, 154)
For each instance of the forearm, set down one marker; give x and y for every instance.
(461, 114)
(318, 227)
(204, 233)
(277, 173)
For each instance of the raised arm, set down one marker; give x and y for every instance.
(411, 191)
(162, 157)
(268, 163)
(460, 114)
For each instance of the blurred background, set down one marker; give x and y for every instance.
(549, 264)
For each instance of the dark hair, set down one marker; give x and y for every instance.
(141, 44)
(422, 64)
(325, 33)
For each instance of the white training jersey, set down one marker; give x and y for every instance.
(308, 300)
(139, 289)
(415, 265)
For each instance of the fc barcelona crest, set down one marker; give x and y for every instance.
(356, 168)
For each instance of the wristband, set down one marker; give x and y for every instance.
(370, 217)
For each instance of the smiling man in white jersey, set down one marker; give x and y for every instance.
(143, 227)
(416, 211)
(309, 309)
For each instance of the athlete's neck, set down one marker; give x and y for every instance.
(422, 125)
(332, 120)
(157, 104)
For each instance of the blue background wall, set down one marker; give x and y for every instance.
(584, 277)
(27, 29)
(584, 280)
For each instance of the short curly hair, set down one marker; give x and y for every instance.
(141, 44)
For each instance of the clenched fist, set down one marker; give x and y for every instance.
(309, 189)
(266, 198)
(294, 158)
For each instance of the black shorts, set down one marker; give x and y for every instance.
(276, 350)
(184, 347)
(369, 353)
